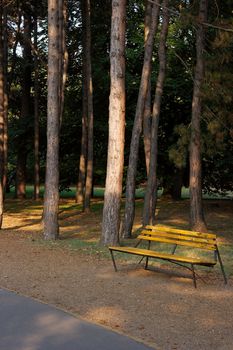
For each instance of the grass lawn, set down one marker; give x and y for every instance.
(99, 193)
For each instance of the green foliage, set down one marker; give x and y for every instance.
(217, 117)
(178, 152)
(217, 114)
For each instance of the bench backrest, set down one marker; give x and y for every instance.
(170, 235)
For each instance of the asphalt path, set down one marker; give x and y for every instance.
(26, 324)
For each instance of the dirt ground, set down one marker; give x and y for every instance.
(160, 308)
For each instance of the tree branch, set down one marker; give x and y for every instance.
(217, 27)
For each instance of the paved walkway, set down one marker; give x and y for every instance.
(26, 324)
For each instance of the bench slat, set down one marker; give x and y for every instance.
(184, 232)
(179, 236)
(176, 241)
(163, 256)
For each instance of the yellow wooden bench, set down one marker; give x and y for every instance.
(175, 237)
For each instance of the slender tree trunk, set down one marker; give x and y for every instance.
(21, 173)
(172, 187)
(80, 189)
(89, 171)
(26, 110)
(115, 161)
(147, 107)
(151, 189)
(133, 157)
(147, 128)
(63, 53)
(36, 119)
(177, 184)
(5, 65)
(50, 215)
(83, 152)
(197, 220)
(14, 56)
(2, 115)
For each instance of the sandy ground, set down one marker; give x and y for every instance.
(160, 308)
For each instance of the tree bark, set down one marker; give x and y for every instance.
(14, 55)
(172, 186)
(80, 188)
(177, 184)
(137, 127)
(36, 119)
(89, 87)
(197, 220)
(151, 189)
(5, 65)
(2, 116)
(50, 215)
(25, 111)
(115, 161)
(63, 54)
(147, 107)
(147, 128)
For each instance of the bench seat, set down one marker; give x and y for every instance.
(163, 256)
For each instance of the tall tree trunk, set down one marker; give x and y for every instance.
(63, 53)
(151, 189)
(147, 128)
(5, 65)
(89, 171)
(36, 119)
(80, 188)
(177, 184)
(14, 55)
(172, 186)
(147, 106)
(26, 110)
(115, 161)
(51, 202)
(153, 10)
(197, 220)
(2, 115)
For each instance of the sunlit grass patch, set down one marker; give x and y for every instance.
(81, 232)
(76, 245)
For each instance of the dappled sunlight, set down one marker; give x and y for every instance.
(54, 324)
(222, 215)
(167, 307)
(209, 291)
(104, 314)
(182, 223)
(178, 308)
(49, 326)
(17, 223)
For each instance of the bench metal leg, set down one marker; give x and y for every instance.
(141, 260)
(136, 247)
(221, 264)
(149, 244)
(174, 249)
(113, 260)
(147, 258)
(194, 276)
